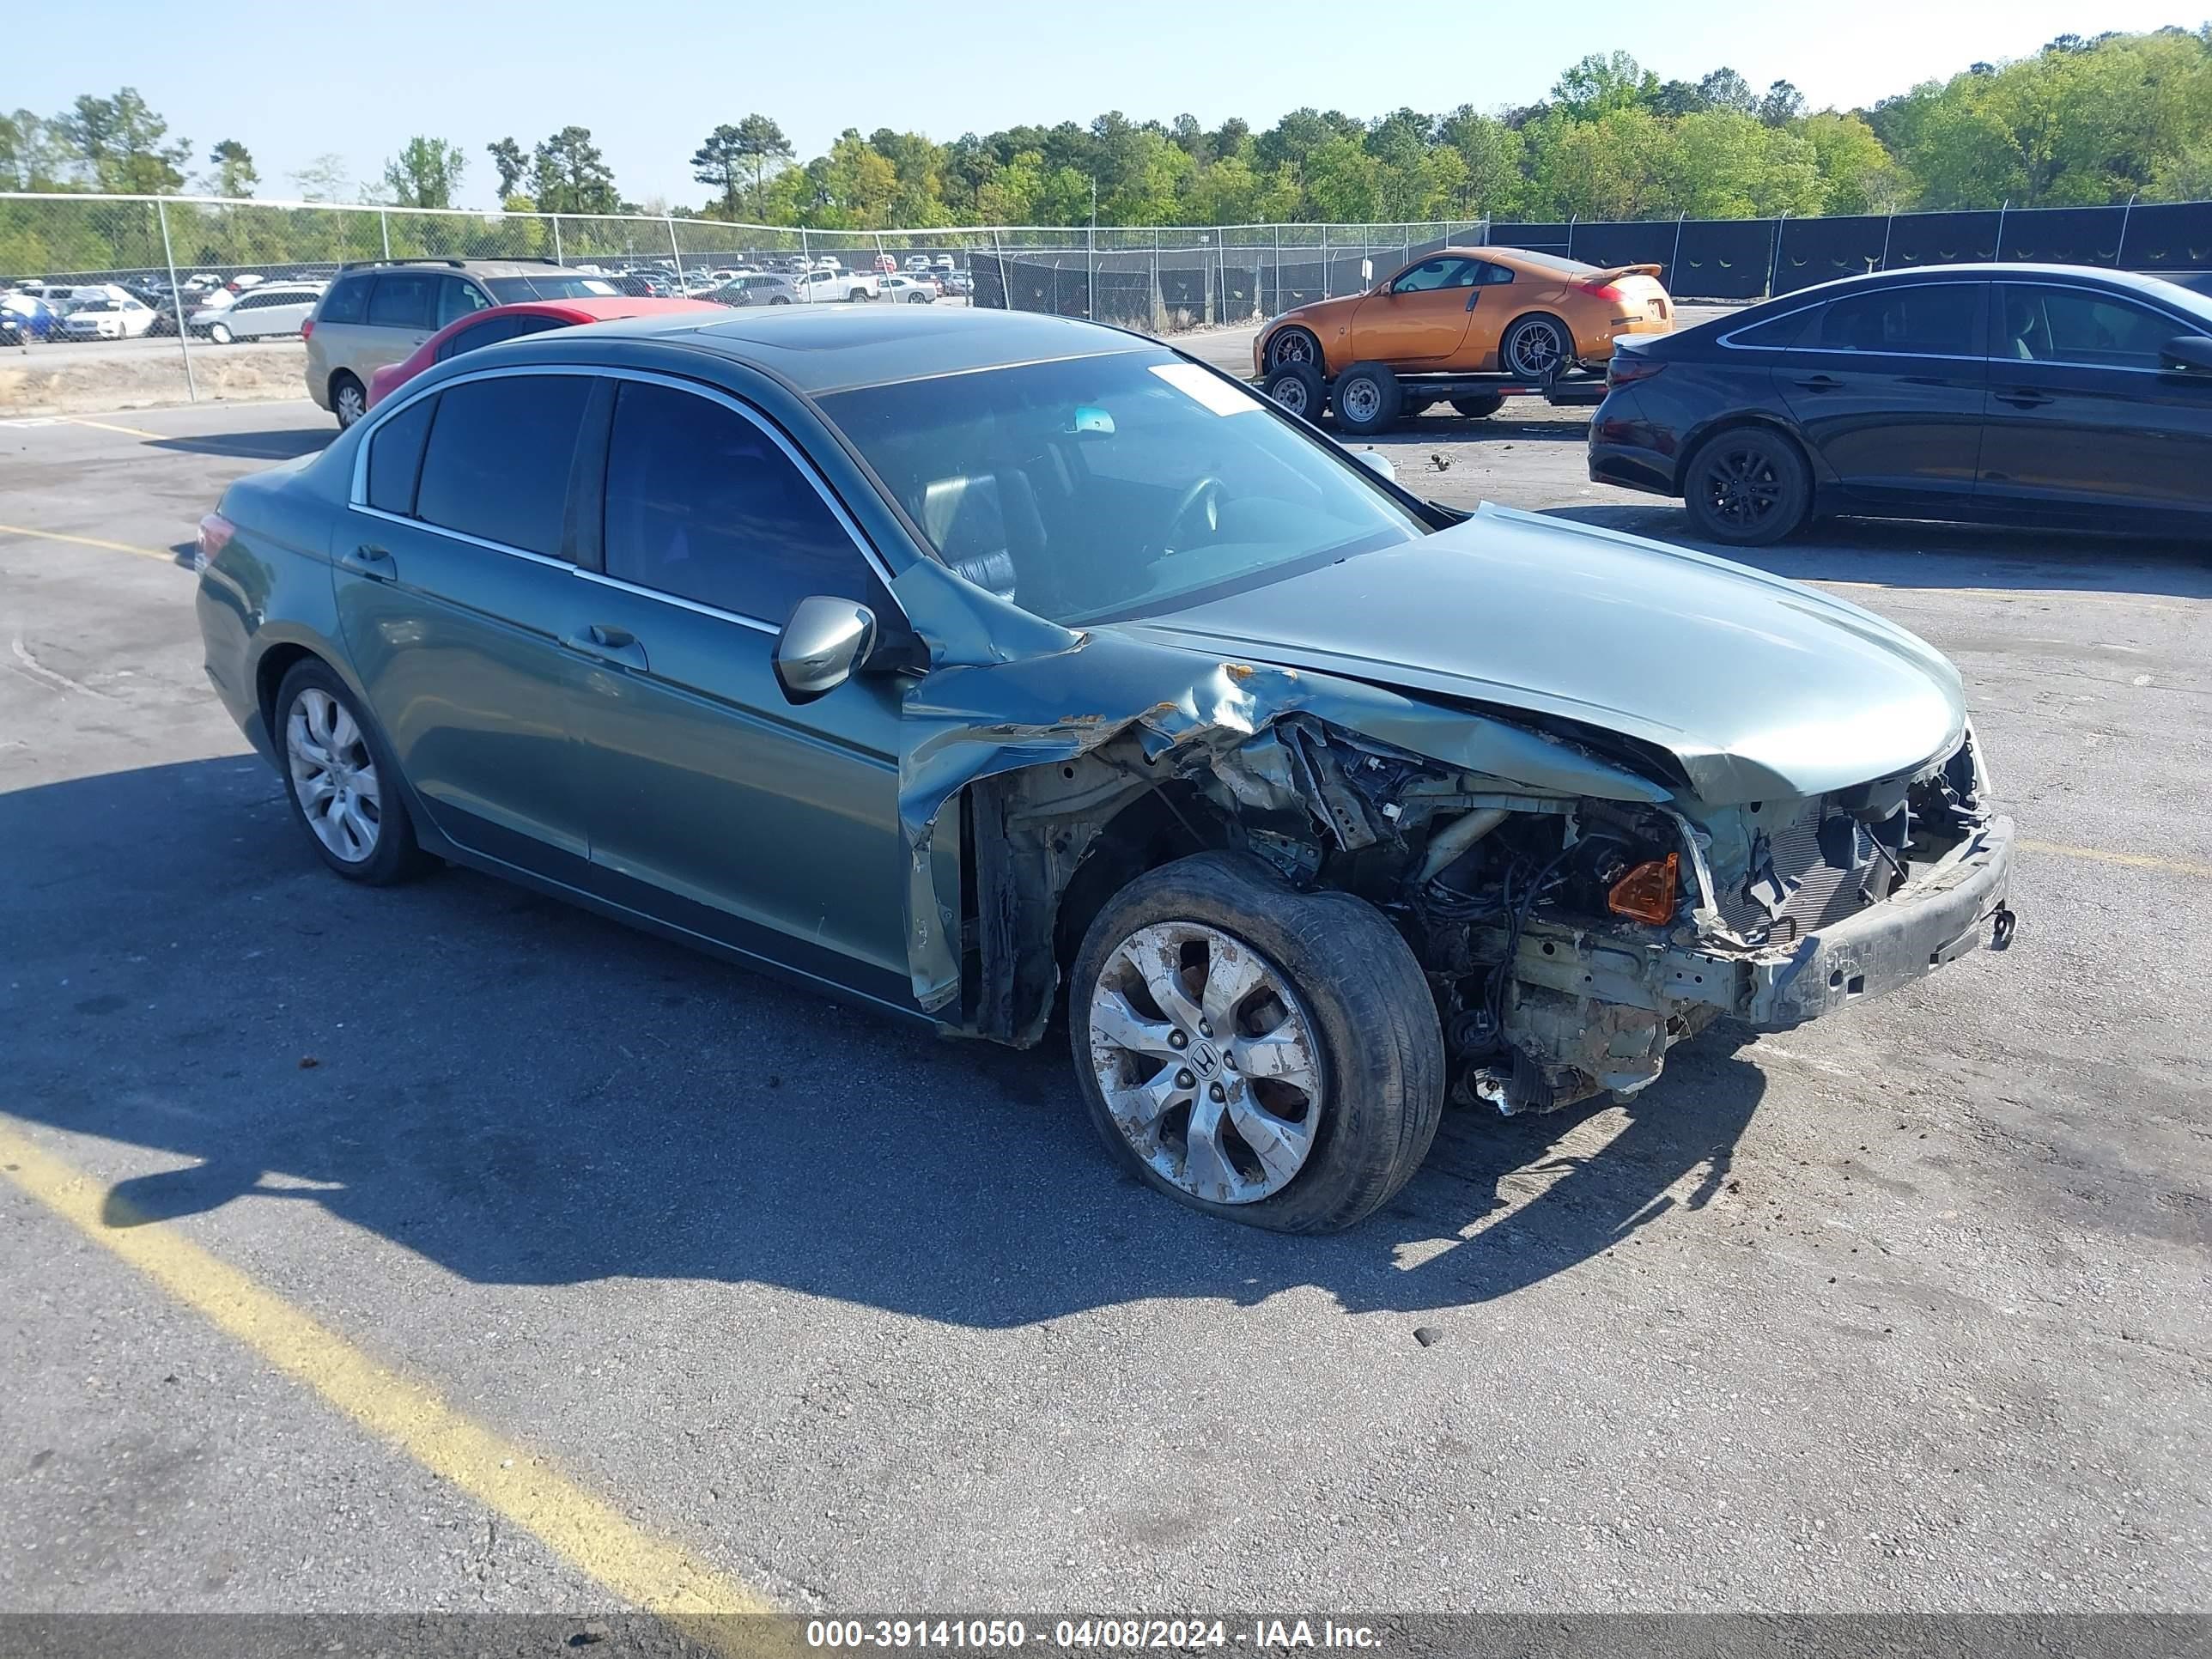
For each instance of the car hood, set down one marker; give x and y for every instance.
(1759, 687)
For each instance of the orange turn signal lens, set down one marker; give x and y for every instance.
(1647, 892)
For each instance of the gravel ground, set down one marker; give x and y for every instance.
(1906, 1310)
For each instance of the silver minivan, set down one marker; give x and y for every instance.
(379, 311)
(270, 309)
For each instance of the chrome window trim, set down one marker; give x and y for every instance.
(357, 493)
(678, 600)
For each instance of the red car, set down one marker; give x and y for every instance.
(489, 327)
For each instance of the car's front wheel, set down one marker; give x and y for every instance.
(344, 793)
(220, 333)
(1747, 486)
(1294, 346)
(1262, 1054)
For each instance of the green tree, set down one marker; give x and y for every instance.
(570, 175)
(720, 163)
(426, 174)
(32, 156)
(325, 179)
(119, 142)
(765, 150)
(1857, 175)
(235, 174)
(1494, 155)
(507, 159)
(1598, 85)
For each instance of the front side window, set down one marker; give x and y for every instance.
(1433, 274)
(1130, 484)
(498, 459)
(2073, 325)
(404, 298)
(704, 505)
(1929, 320)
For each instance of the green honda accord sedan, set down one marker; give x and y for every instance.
(978, 665)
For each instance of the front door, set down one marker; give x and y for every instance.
(454, 585)
(714, 803)
(2085, 420)
(1421, 317)
(1887, 384)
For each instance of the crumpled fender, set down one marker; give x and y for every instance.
(1006, 690)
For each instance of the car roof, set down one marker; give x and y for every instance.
(832, 348)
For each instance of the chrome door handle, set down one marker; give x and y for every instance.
(603, 642)
(374, 562)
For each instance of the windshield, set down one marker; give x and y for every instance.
(1114, 486)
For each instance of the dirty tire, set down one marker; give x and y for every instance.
(349, 400)
(1536, 348)
(1478, 409)
(395, 856)
(1747, 486)
(1294, 346)
(1298, 388)
(1381, 1052)
(1367, 399)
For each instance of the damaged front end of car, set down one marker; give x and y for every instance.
(1576, 908)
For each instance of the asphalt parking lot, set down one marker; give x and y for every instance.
(442, 1247)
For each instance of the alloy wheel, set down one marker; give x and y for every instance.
(1293, 347)
(1741, 488)
(333, 775)
(1207, 1061)
(1536, 351)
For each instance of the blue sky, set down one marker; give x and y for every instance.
(651, 80)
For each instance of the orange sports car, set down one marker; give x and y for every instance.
(1471, 310)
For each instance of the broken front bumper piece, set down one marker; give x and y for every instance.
(1602, 1006)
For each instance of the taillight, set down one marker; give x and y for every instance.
(1612, 291)
(1647, 892)
(306, 328)
(1624, 367)
(215, 533)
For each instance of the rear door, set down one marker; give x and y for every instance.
(1421, 317)
(1887, 385)
(716, 803)
(2085, 420)
(403, 310)
(456, 584)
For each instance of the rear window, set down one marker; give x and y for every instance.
(404, 298)
(347, 301)
(497, 465)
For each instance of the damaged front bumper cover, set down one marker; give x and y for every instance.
(1948, 908)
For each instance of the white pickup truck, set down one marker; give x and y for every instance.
(838, 285)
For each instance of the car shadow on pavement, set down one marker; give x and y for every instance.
(278, 443)
(525, 1094)
(1915, 553)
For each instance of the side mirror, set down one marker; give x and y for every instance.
(1377, 463)
(820, 646)
(2190, 353)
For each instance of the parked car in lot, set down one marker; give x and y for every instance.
(917, 262)
(759, 288)
(2049, 395)
(107, 318)
(483, 328)
(379, 311)
(885, 264)
(908, 290)
(29, 316)
(816, 285)
(261, 313)
(946, 661)
(1478, 309)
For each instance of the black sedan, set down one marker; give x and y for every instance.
(2051, 395)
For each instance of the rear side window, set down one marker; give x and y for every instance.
(1776, 332)
(703, 504)
(395, 456)
(497, 465)
(492, 331)
(348, 299)
(1931, 319)
(404, 298)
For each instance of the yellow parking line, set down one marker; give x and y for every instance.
(2134, 860)
(653, 1573)
(105, 426)
(162, 554)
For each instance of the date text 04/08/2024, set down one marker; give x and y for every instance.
(1109, 1634)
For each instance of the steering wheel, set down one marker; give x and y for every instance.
(1205, 493)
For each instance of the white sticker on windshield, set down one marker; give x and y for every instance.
(1222, 397)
